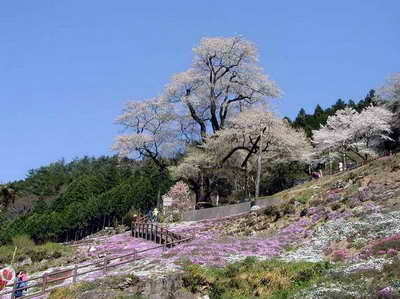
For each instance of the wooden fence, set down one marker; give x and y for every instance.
(142, 229)
(156, 233)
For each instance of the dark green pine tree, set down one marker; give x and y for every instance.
(301, 117)
(319, 117)
(339, 105)
(318, 111)
(352, 104)
(303, 120)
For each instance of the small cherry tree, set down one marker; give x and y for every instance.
(177, 200)
(152, 130)
(259, 132)
(391, 92)
(349, 131)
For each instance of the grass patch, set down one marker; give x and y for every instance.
(27, 249)
(103, 287)
(252, 278)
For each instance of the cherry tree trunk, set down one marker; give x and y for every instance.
(259, 164)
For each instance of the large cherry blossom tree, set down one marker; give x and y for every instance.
(224, 78)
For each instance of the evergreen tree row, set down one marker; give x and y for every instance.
(310, 122)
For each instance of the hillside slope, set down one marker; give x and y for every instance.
(336, 237)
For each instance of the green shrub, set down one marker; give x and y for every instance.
(303, 199)
(252, 278)
(23, 241)
(37, 255)
(35, 252)
(6, 253)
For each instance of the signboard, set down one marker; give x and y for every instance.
(167, 202)
(7, 275)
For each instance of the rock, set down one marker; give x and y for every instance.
(170, 287)
(27, 261)
(44, 261)
(255, 208)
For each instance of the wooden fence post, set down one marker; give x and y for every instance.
(75, 275)
(44, 282)
(136, 230)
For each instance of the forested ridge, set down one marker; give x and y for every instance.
(70, 200)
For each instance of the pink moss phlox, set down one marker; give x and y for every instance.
(389, 245)
(392, 251)
(340, 255)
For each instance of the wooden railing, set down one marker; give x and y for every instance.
(156, 233)
(148, 231)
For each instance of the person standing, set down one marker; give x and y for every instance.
(155, 214)
(21, 282)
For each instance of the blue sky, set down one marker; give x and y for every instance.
(67, 67)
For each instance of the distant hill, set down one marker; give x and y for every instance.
(69, 200)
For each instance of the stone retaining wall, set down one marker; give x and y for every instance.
(228, 210)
